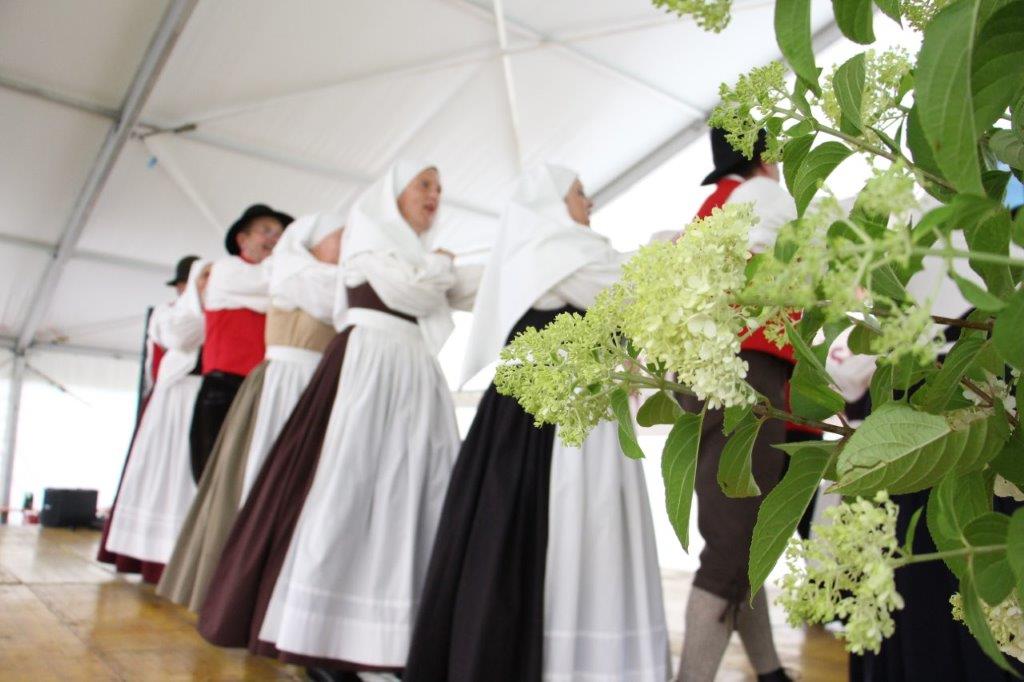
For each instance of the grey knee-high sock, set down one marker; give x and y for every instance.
(755, 629)
(706, 636)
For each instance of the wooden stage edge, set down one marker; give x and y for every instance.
(64, 616)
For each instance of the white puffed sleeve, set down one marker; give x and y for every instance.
(416, 290)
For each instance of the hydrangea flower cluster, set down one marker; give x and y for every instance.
(908, 332)
(710, 15)
(919, 12)
(890, 191)
(746, 107)
(1005, 620)
(679, 304)
(846, 572)
(561, 374)
(883, 80)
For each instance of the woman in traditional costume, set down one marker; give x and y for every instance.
(337, 586)
(302, 273)
(545, 566)
(157, 487)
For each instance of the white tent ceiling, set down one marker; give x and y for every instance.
(300, 104)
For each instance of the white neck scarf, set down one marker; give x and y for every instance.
(375, 225)
(538, 245)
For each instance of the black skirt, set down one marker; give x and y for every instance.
(481, 614)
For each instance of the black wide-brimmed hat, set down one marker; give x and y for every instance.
(181, 270)
(728, 160)
(252, 213)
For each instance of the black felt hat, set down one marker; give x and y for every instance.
(252, 213)
(728, 160)
(181, 270)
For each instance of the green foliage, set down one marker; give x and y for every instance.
(627, 436)
(735, 475)
(678, 469)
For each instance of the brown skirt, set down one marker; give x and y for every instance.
(727, 523)
(243, 582)
(215, 507)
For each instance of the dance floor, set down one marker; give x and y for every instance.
(64, 616)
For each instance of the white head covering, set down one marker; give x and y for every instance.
(375, 225)
(292, 259)
(538, 245)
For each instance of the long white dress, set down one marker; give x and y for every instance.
(158, 487)
(297, 281)
(600, 542)
(350, 583)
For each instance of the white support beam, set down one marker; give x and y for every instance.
(91, 256)
(687, 135)
(11, 430)
(510, 83)
(167, 32)
(473, 7)
(155, 130)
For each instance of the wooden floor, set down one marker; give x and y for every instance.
(63, 616)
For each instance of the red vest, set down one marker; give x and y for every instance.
(234, 341)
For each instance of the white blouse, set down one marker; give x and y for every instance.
(581, 287)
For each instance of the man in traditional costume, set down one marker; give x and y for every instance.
(236, 300)
(720, 599)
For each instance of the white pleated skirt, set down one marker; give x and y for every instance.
(288, 374)
(157, 488)
(351, 581)
(604, 616)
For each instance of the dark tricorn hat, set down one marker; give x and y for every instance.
(728, 160)
(181, 270)
(252, 213)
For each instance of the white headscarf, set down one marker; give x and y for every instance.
(375, 225)
(292, 257)
(538, 246)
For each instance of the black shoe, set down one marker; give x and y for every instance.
(775, 676)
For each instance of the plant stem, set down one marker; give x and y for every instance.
(989, 400)
(761, 410)
(949, 554)
(965, 324)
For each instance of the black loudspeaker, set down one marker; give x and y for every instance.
(68, 507)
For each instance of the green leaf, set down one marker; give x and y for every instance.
(659, 408)
(952, 504)
(996, 74)
(977, 296)
(735, 472)
(908, 542)
(1009, 463)
(1006, 333)
(943, 94)
(793, 33)
(1015, 545)
(891, 9)
(1008, 148)
(976, 623)
(809, 397)
(848, 83)
(902, 450)
(945, 383)
(860, 339)
(781, 511)
(816, 167)
(804, 353)
(992, 574)
(678, 469)
(793, 155)
(854, 20)
(884, 281)
(923, 157)
(986, 227)
(627, 437)
(880, 388)
(995, 183)
(734, 416)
